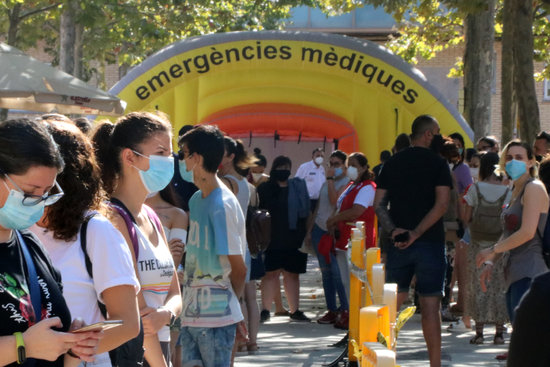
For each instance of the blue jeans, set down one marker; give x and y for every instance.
(515, 292)
(332, 282)
(207, 347)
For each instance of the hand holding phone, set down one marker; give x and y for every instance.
(402, 237)
(99, 326)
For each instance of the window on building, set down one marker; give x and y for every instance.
(546, 95)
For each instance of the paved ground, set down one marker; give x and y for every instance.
(284, 343)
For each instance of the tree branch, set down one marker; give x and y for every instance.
(32, 12)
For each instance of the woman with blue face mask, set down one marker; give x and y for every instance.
(78, 224)
(354, 204)
(135, 156)
(524, 220)
(35, 318)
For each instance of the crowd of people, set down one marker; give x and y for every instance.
(113, 223)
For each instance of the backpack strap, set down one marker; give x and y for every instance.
(87, 261)
(129, 220)
(503, 197)
(478, 192)
(153, 216)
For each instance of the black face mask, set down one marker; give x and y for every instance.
(280, 175)
(437, 144)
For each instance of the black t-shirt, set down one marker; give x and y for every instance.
(16, 312)
(410, 178)
(275, 199)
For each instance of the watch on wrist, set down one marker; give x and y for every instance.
(330, 178)
(20, 348)
(172, 315)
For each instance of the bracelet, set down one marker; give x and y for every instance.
(72, 354)
(330, 178)
(172, 314)
(488, 262)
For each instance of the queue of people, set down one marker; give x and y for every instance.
(112, 224)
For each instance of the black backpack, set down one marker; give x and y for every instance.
(131, 353)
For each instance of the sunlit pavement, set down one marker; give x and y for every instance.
(287, 343)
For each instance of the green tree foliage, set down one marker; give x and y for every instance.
(127, 31)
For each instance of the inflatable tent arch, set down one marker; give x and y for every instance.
(289, 85)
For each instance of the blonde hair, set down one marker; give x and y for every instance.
(530, 156)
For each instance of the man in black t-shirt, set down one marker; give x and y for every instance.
(416, 184)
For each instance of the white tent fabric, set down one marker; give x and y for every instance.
(28, 84)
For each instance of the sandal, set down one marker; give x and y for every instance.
(498, 339)
(477, 339)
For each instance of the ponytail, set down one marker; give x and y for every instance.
(128, 132)
(242, 161)
(105, 154)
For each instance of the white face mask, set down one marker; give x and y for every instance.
(474, 172)
(352, 173)
(318, 160)
(256, 176)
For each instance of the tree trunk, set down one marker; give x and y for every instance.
(524, 81)
(14, 19)
(67, 37)
(508, 96)
(78, 52)
(478, 69)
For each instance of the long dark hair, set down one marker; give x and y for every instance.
(129, 131)
(260, 159)
(278, 162)
(487, 163)
(25, 143)
(242, 161)
(80, 180)
(363, 162)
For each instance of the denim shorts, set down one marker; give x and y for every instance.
(207, 347)
(424, 259)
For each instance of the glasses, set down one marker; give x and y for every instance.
(182, 155)
(31, 200)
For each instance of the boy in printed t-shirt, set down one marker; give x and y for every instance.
(214, 266)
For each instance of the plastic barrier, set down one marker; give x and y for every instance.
(374, 319)
(375, 355)
(372, 314)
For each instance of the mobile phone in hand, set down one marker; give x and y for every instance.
(402, 237)
(98, 326)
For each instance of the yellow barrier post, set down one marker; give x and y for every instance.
(378, 279)
(374, 319)
(390, 299)
(375, 355)
(355, 291)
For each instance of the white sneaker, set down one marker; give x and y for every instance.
(458, 327)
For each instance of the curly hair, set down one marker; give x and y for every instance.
(80, 180)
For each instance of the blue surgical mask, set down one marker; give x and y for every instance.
(515, 169)
(460, 151)
(15, 215)
(184, 173)
(338, 172)
(159, 174)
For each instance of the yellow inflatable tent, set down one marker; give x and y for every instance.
(289, 85)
